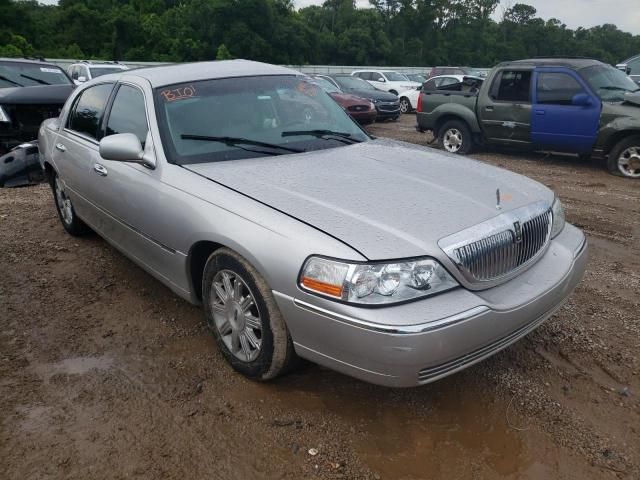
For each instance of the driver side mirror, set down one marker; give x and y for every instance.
(82, 79)
(582, 100)
(624, 67)
(380, 79)
(124, 147)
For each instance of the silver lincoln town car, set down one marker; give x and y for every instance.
(245, 188)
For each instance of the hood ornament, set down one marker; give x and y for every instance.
(498, 207)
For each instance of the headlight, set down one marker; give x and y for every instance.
(376, 283)
(558, 218)
(373, 100)
(4, 116)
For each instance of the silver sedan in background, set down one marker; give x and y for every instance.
(245, 188)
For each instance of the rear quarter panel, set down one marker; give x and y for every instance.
(437, 107)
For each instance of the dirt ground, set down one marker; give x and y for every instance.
(104, 373)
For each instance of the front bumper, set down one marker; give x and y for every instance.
(423, 341)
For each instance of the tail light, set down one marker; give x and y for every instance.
(419, 109)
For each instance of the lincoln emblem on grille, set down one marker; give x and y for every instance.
(517, 228)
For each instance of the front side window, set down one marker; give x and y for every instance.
(128, 114)
(557, 88)
(24, 74)
(88, 110)
(513, 86)
(395, 77)
(272, 115)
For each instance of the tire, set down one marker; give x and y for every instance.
(67, 214)
(405, 105)
(624, 158)
(455, 137)
(249, 329)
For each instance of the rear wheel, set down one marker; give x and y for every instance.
(244, 318)
(455, 137)
(405, 105)
(70, 221)
(624, 159)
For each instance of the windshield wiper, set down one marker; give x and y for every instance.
(343, 137)
(34, 79)
(2, 77)
(613, 87)
(236, 141)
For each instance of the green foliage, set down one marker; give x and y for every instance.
(392, 32)
(223, 53)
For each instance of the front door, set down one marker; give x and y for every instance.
(565, 113)
(505, 114)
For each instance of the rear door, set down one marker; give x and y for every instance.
(505, 111)
(566, 114)
(76, 146)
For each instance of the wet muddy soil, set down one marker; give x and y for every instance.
(104, 373)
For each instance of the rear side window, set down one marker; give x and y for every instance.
(128, 114)
(88, 110)
(512, 86)
(443, 82)
(557, 88)
(364, 75)
(430, 85)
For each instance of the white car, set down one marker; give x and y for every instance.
(409, 97)
(84, 71)
(387, 80)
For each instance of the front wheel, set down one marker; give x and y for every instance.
(624, 159)
(70, 221)
(405, 105)
(455, 137)
(244, 318)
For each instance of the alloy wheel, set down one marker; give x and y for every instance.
(404, 105)
(452, 140)
(64, 203)
(629, 162)
(236, 315)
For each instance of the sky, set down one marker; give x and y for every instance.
(625, 14)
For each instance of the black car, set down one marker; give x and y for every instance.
(387, 104)
(30, 91)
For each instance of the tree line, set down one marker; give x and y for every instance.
(392, 32)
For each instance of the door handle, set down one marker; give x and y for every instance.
(61, 147)
(540, 112)
(100, 170)
(489, 108)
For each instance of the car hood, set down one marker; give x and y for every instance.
(348, 99)
(385, 199)
(39, 95)
(375, 95)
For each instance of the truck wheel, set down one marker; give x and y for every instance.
(455, 137)
(405, 105)
(624, 159)
(244, 318)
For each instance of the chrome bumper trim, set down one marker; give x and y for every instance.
(394, 329)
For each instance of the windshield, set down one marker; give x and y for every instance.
(417, 78)
(248, 117)
(395, 77)
(353, 83)
(96, 72)
(609, 83)
(326, 85)
(18, 74)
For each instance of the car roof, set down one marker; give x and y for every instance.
(29, 61)
(375, 70)
(575, 63)
(102, 65)
(192, 72)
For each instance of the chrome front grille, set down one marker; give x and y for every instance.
(501, 247)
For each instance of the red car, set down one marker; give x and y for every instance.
(361, 109)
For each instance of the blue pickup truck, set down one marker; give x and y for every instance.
(580, 106)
